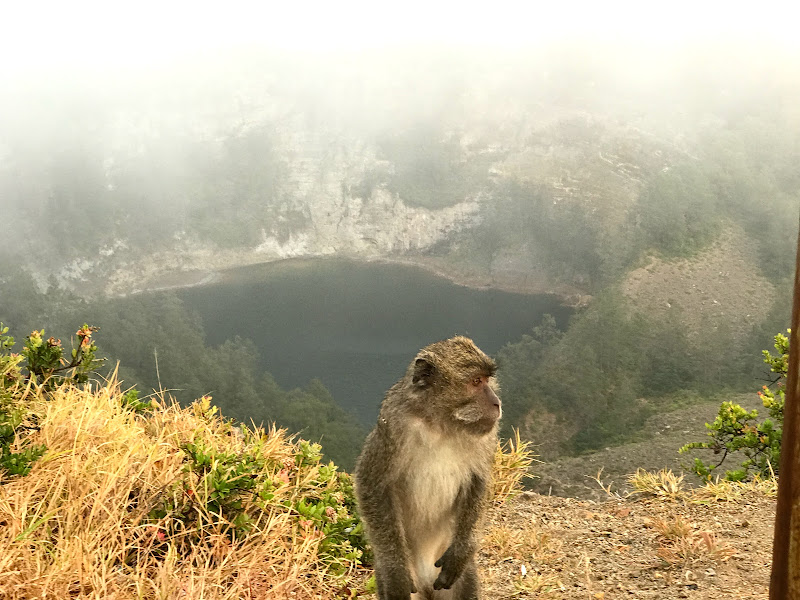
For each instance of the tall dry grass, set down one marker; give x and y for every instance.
(113, 511)
(512, 464)
(80, 524)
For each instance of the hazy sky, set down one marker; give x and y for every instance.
(37, 33)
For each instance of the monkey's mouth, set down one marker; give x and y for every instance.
(479, 421)
(469, 413)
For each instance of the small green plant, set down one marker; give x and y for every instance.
(13, 413)
(131, 401)
(331, 510)
(213, 494)
(220, 479)
(47, 365)
(738, 430)
(9, 361)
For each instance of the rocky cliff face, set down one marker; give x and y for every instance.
(379, 227)
(338, 213)
(321, 208)
(279, 162)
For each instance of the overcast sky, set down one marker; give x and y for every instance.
(36, 33)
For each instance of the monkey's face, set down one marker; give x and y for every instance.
(480, 408)
(453, 383)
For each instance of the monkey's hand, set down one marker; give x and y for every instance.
(452, 563)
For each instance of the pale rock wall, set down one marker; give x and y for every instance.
(318, 210)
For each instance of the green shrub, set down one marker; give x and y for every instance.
(13, 413)
(738, 430)
(229, 492)
(41, 362)
(47, 365)
(131, 401)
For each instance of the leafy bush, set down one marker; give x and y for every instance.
(13, 412)
(41, 362)
(227, 491)
(13, 418)
(46, 364)
(738, 430)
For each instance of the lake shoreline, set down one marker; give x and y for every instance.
(178, 280)
(569, 295)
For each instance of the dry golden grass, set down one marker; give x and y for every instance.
(512, 462)
(524, 548)
(538, 586)
(506, 543)
(672, 529)
(662, 484)
(77, 526)
(683, 543)
(728, 491)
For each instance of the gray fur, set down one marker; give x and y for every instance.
(422, 476)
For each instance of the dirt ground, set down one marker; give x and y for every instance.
(690, 546)
(603, 543)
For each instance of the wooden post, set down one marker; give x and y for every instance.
(785, 579)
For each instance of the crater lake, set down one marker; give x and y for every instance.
(356, 325)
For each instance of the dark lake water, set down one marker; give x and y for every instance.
(354, 325)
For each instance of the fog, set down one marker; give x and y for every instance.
(114, 108)
(149, 32)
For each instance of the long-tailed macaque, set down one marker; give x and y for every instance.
(422, 476)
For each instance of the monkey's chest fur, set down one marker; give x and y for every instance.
(438, 467)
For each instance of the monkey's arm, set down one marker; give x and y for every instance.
(467, 510)
(381, 514)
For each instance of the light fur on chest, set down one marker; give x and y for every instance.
(438, 466)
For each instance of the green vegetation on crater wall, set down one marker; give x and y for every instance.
(431, 170)
(595, 384)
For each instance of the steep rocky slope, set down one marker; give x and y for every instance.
(719, 287)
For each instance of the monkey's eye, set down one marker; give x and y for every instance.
(477, 381)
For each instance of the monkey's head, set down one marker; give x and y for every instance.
(455, 382)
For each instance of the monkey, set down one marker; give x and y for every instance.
(422, 476)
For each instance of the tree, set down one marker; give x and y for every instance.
(738, 430)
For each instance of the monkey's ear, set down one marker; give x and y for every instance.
(423, 372)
